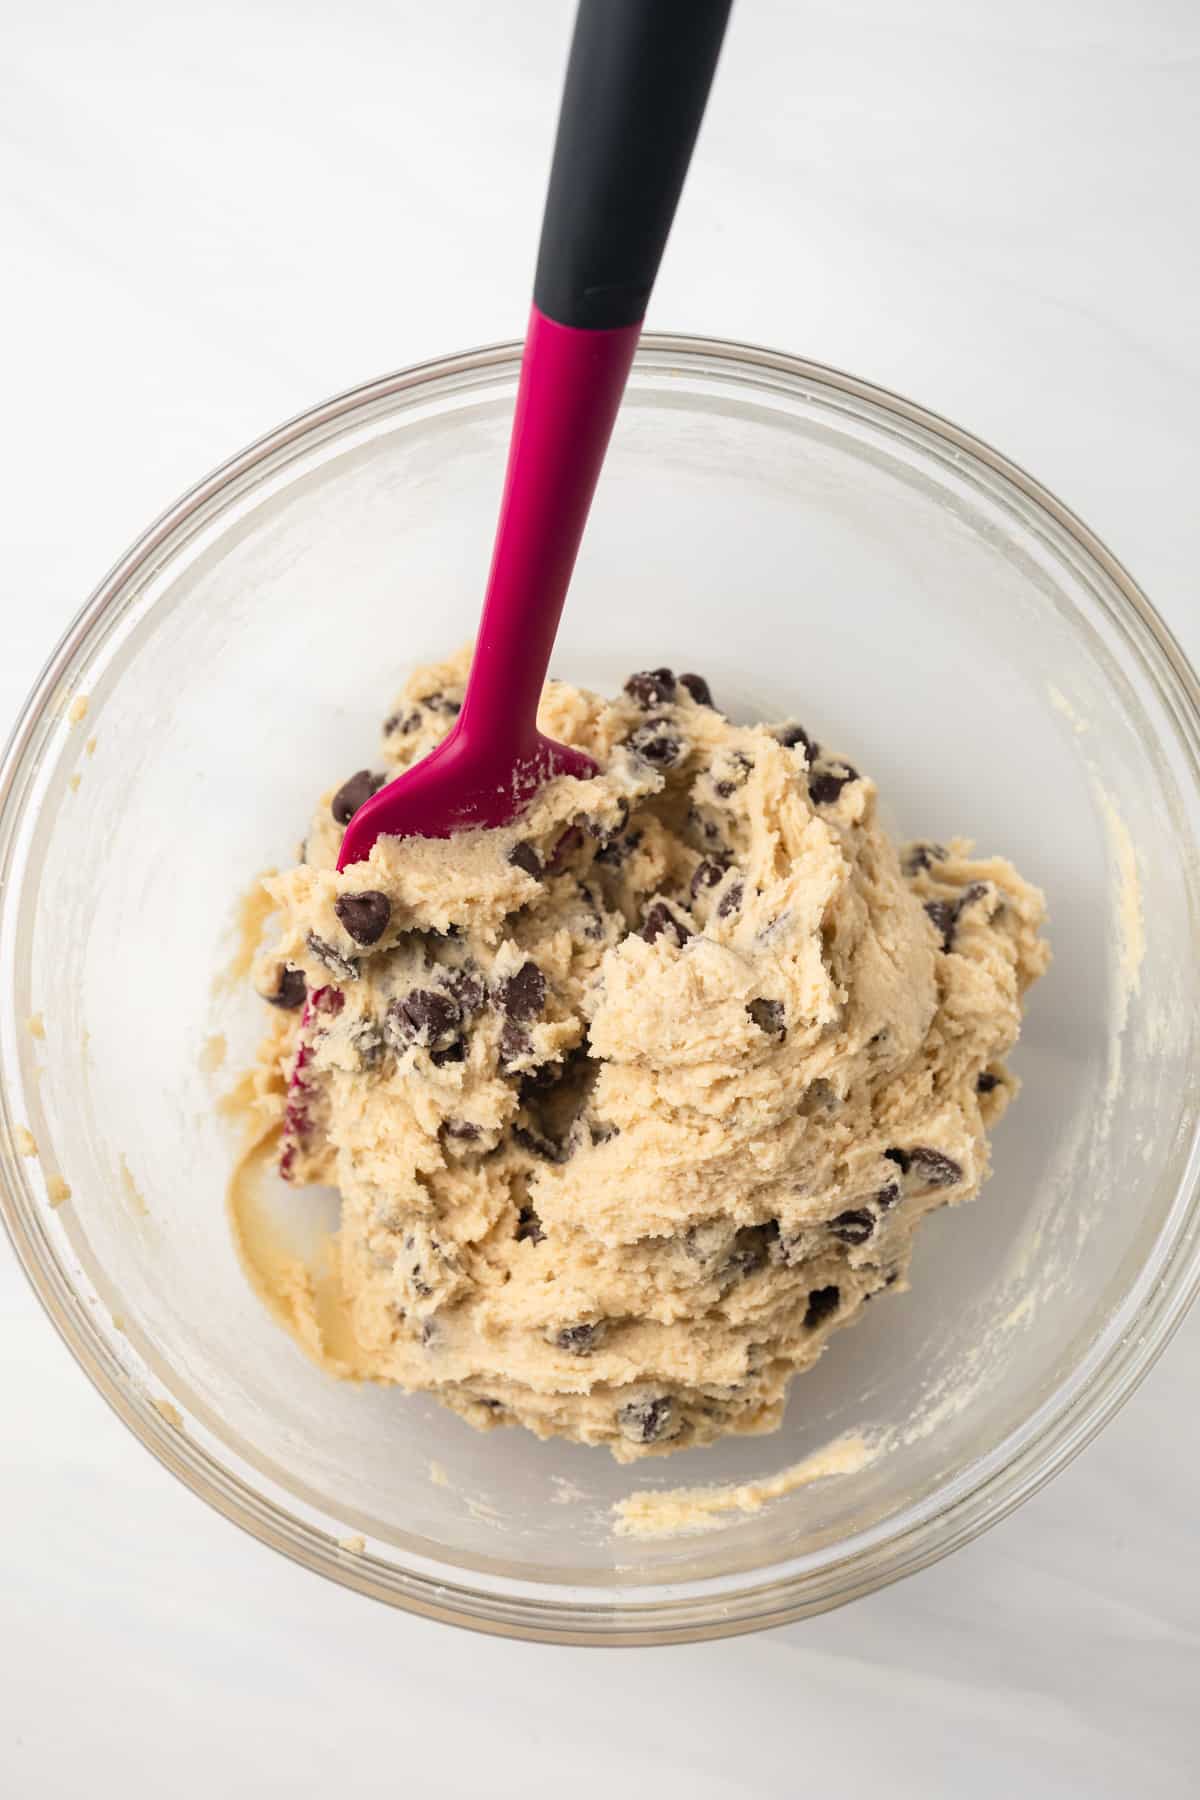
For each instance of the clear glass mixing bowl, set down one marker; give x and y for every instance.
(814, 546)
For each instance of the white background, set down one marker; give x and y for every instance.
(214, 215)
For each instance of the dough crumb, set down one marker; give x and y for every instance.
(213, 1053)
(57, 1190)
(73, 782)
(167, 1410)
(35, 1025)
(438, 1475)
(355, 1545)
(26, 1142)
(664, 1513)
(78, 710)
(90, 746)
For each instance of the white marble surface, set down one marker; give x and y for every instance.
(215, 215)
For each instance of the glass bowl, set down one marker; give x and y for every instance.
(815, 546)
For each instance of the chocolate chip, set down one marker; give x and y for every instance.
(467, 988)
(943, 915)
(523, 995)
(342, 966)
(738, 766)
(354, 793)
(933, 1167)
(291, 990)
(986, 1083)
(543, 1147)
(731, 899)
(824, 788)
(364, 916)
(698, 688)
(402, 722)
(647, 1421)
(606, 831)
(707, 826)
(453, 1053)
(541, 1079)
(658, 744)
(853, 1227)
(579, 1340)
(821, 1303)
(707, 875)
(529, 1227)
(792, 734)
(614, 853)
(922, 856)
(366, 1040)
(820, 1096)
(901, 1158)
(423, 1017)
(525, 857)
(769, 1016)
(651, 687)
(660, 920)
(593, 928)
(566, 846)
(442, 703)
(887, 1196)
(602, 1132)
(752, 1246)
(514, 1043)
(460, 1131)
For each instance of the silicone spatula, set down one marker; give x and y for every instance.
(637, 82)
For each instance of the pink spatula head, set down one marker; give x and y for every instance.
(495, 759)
(636, 86)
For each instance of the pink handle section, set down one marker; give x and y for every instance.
(495, 759)
(571, 386)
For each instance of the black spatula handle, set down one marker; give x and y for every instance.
(636, 87)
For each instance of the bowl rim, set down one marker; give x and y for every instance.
(1067, 1425)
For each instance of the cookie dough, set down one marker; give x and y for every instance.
(633, 1104)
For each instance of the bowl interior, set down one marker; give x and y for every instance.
(814, 553)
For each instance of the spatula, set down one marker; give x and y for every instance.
(636, 86)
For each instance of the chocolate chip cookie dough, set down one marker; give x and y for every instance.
(633, 1104)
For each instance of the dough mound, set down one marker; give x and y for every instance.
(634, 1103)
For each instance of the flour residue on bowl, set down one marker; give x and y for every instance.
(663, 1512)
(249, 924)
(1130, 932)
(135, 1200)
(1130, 917)
(1061, 704)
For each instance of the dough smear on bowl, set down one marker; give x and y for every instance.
(633, 1104)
